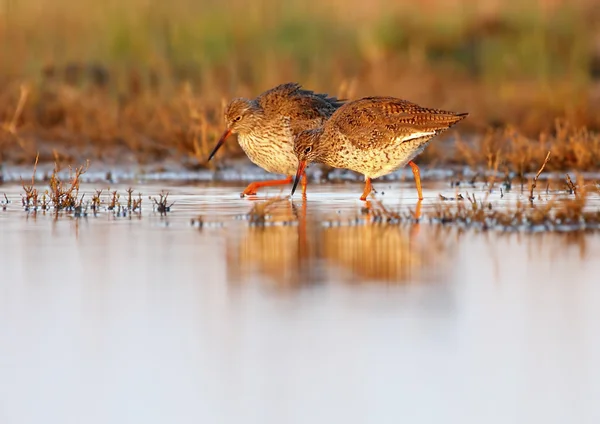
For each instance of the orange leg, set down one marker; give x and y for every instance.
(417, 214)
(367, 190)
(417, 174)
(251, 189)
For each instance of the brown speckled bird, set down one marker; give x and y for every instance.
(373, 136)
(267, 125)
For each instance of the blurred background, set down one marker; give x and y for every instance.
(150, 78)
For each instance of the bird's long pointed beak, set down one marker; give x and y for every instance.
(226, 134)
(301, 167)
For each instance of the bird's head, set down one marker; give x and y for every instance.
(307, 149)
(240, 117)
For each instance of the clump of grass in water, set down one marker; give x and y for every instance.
(161, 206)
(557, 214)
(30, 198)
(64, 195)
(134, 205)
(376, 213)
(61, 195)
(95, 204)
(379, 214)
(262, 213)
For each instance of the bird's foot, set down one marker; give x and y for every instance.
(250, 190)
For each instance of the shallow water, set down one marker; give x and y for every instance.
(150, 319)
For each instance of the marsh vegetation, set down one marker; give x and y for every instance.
(141, 82)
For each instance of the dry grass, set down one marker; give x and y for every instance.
(562, 211)
(62, 196)
(185, 128)
(560, 215)
(144, 83)
(556, 212)
(509, 150)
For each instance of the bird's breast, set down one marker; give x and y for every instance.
(271, 150)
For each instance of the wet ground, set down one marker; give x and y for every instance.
(148, 318)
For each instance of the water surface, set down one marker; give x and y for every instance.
(150, 319)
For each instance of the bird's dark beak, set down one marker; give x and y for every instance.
(226, 134)
(301, 167)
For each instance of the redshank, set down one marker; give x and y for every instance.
(267, 125)
(373, 136)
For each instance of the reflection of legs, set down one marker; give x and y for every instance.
(305, 253)
(367, 211)
(417, 215)
(304, 184)
(251, 189)
(367, 190)
(417, 174)
(299, 215)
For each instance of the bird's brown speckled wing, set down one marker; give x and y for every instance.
(305, 109)
(378, 121)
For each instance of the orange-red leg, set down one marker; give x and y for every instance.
(367, 190)
(417, 214)
(417, 174)
(251, 189)
(415, 229)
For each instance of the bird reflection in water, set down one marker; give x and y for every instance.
(277, 247)
(289, 250)
(374, 252)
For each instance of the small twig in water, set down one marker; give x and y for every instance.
(96, 200)
(30, 199)
(5, 203)
(473, 180)
(129, 198)
(507, 181)
(534, 181)
(571, 186)
(137, 204)
(113, 201)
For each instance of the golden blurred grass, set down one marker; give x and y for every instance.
(147, 80)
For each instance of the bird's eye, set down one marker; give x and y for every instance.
(308, 150)
(237, 118)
